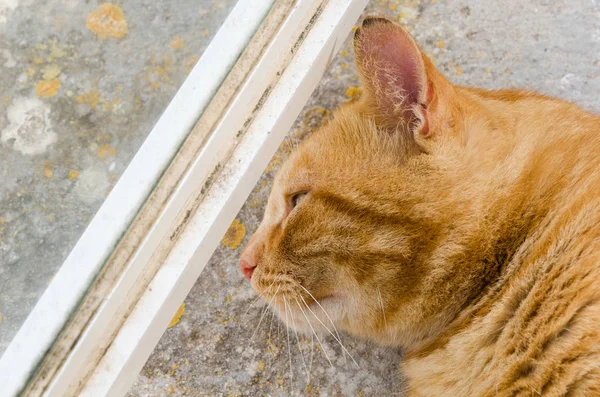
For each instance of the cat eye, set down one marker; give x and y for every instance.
(297, 198)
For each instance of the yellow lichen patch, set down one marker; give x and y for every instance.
(47, 88)
(159, 72)
(315, 117)
(261, 366)
(89, 97)
(354, 93)
(177, 43)
(344, 53)
(205, 33)
(107, 20)
(50, 72)
(171, 390)
(107, 150)
(72, 175)
(48, 173)
(459, 70)
(55, 51)
(190, 63)
(38, 61)
(275, 161)
(177, 316)
(256, 203)
(227, 299)
(234, 235)
(110, 105)
(2, 220)
(103, 138)
(440, 44)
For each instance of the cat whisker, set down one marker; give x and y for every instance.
(279, 330)
(289, 350)
(382, 310)
(298, 340)
(334, 337)
(259, 296)
(264, 311)
(313, 331)
(324, 311)
(253, 302)
(312, 351)
(271, 324)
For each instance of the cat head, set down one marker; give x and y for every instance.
(365, 215)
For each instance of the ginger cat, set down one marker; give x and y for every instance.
(460, 224)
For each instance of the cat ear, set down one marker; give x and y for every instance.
(399, 81)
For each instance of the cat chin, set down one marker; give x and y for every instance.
(317, 318)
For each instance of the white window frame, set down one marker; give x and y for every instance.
(140, 278)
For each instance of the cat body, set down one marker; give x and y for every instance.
(459, 224)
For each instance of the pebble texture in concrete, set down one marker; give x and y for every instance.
(218, 344)
(81, 85)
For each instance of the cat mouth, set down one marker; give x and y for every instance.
(296, 305)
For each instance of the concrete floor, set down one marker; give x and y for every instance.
(77, 98)
(112, 91)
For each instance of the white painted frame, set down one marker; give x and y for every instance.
(71, 282)
(203, 204)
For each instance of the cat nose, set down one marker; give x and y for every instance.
(247, 264)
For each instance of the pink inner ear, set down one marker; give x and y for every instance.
(404, 70)
(392, 63)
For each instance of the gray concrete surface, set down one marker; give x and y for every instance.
(217, 349)
(77, 98)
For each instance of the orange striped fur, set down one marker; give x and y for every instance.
(460, 224)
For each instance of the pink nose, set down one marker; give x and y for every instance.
(248, 265)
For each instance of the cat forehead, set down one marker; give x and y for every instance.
(296, 170)
(347, 144)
